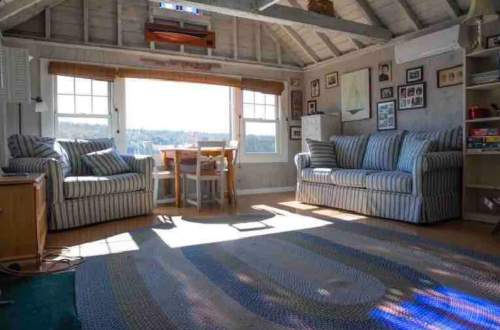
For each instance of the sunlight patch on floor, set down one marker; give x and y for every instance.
(339, 215)
(299, 206)
(116, 244)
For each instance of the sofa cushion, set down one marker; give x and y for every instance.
(351, 178)
(322, 154)
(410, 151)
(75, 148)
(350, 150)
(105, 163)
(318, 175)
(22, 146)
(444, 140)
(396, 182)
(382, 152)
(89, 186)
(47, 150)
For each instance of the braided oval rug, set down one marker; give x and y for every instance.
(342, 275)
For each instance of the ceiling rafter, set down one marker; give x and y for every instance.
(302, 44)
(369, 13)
(16, 12)
(453, 8)
(270, 32)
(410, 14)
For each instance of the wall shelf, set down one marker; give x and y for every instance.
(483, 120)
(484, 53)
(484, 87)
(479, 153)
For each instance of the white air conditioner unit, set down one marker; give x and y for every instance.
(437, 43)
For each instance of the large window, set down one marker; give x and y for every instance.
(83, 108)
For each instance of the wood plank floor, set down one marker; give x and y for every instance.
(470, 235)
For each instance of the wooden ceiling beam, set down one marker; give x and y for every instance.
(16, 12)
(453, 8)
(369, 13)
(410, 14)
(270, 32)
(302, 44)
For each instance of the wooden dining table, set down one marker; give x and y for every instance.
(189, 155)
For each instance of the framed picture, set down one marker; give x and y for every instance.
(451, 76)
(332, 80)
(295, 82)
(386, 116)
(385, 72)
(493, 41)
(315, 90)
(413, 96)
(414, 75)
(296, 105)
(356, 95)
(295, 133)
(387, 93)
(312, 107)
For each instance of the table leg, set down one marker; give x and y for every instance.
(167, 183)
(177, 162)
(230, 178)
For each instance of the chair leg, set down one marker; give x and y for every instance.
(155, 192)
(199, 195)
(222, 193)
(186, 182)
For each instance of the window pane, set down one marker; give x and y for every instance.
(83, 86)
(270, 112)
(270, 99)
(82, 128)
(84, 104)
(260, 137)
(248, 111)
(65, 104)
(260, 111)
(248, 97)
(99, 88)
(101, 106)
(260, 98)
(65, 85)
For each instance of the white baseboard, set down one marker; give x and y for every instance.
(261, 191)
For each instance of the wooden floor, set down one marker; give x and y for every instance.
(470, 235)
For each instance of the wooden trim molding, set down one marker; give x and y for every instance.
(82, 71)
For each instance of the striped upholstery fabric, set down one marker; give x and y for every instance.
(350, 150)
(302, 161)
(89, 186)
(393, 206)
(44, 150)
(410, 152)
(442, 160)
(351, 178)
(22, 146)
(318, 175)
(105, 163)
(397, 182)
(382, 152)
(76, 148)
(445, 140)
(322, 154)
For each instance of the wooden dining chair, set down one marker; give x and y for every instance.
(212, 175)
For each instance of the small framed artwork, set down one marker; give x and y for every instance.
(332, 80)
(385, 72)
(296, 105)
(414, 75)
(387, 93)
(413, 96)
(312, 107)
(493, 41)
(386, 116)
(295, 133)
(451, 76)
(295, 82)
(315, 88)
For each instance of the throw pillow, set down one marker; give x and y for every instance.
(410, 151)
(44, 150)
(322, 154)
(350, 150)
(382, 152)
(22, 146)
(105, 163)
(76, 148)
(444, 140)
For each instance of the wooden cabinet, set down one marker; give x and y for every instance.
(23, 218)
(320, 128)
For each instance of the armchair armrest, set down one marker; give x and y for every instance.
(302, 161)
(437, 172)
(52, 169)
(144, 165)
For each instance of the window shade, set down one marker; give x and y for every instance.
(82, 71)
(262, 86)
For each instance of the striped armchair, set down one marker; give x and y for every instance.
(411, 177)
(75, 197)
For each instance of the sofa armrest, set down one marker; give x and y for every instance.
(302, 161)
(441, 170)
(53, 170)
(441, 161)
(144, 165)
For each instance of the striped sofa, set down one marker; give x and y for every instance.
(382, 176)
(75, 197)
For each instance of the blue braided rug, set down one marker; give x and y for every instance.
(341, 276)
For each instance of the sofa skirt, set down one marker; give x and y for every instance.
(402, 207)
(73, 213)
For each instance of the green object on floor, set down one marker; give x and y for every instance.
(46, 302)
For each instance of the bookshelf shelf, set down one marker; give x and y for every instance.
(484, 53)
(484, 87)
(483, 120)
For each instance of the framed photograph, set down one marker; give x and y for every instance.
(387, 93)
(297, 105)
(295, 133)
(312, 107)
(332, 80)
(315, 88)
(414, 75)
(295, 82)
(356, 95)
(385, 72)
(386, 116)
(493, 41)
(413, 96)
(450, 77)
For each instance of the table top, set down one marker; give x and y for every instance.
(13, 180)
(191, 149)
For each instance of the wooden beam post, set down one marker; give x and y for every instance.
(151, 19)
(235, 38)
(258, 41)
(119, 29)
(86, 21)
(48, 26)
(410, 14)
